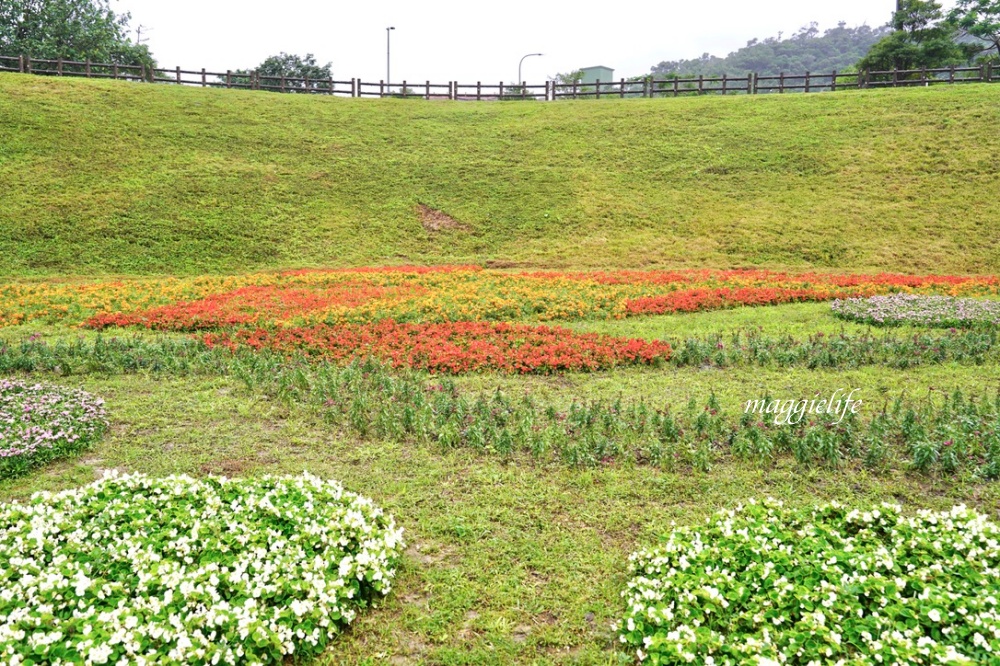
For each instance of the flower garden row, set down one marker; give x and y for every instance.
(912, 309)
(137, 570)
(458, 293)
(452, 347)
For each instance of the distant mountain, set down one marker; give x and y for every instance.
(806, 51)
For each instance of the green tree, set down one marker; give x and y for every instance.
(804, 51)
(69, 29)
(565, 81)
(294, 67)
(979, 19)
(922, 37)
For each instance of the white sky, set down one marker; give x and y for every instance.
(444, 40)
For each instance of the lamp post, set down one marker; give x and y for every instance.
(521, 63)
(388, 81)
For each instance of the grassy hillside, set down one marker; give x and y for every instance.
(110, 177)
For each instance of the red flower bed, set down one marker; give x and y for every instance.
(455, 347)
(247, 306)
(694, 300)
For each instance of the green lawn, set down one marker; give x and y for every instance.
(111, 177)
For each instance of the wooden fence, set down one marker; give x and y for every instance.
(751, 84)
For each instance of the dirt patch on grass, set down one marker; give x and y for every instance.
(434, 220)
(504, 263)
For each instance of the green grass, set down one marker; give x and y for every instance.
(798, 320)
(117, 178)
(511, 562)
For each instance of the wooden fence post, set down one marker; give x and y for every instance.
(282, 83)
(381, 88)
(723, 83)
(574, 88)
(597, 87)
(87, 67)
(59, 67)
(178, 74)
(354, 87)
(428, 91)
(500, 94)
(403, 91)
(833, 82)
(204, 80)
(27, 64)
(229, 78)
(701, 84)
(781, 83)
(676, 91)
(752, 86)
(622, 95)
(20, 64)
(807, 81)
(479, 91)
(951, 75)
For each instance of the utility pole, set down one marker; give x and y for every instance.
(388, 80)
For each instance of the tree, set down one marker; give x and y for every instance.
(71, 30)
(979, 19)
(565, 81)
(922, 37)
(805, 51)
(297, 68)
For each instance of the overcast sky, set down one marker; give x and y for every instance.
(445, 40)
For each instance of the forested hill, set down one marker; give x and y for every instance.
(806, 51)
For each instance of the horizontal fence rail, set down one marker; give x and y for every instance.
(648, 87)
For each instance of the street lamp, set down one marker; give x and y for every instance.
(388, 80)
(521, 63)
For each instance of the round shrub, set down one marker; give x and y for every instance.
(768, 585)
(137, 570)
(40, 422)
(915, 310)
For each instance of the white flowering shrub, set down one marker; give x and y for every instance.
(40, 422)
(769, 585)
(137, 570)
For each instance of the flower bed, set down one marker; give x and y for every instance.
(435, 294)
(764, 584)
(182, 571)
(912, 309)
(39, 422)
(454, 347)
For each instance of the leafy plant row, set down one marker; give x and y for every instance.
(954, 435)
(740, 348)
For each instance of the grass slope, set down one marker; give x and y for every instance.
(110, 177)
